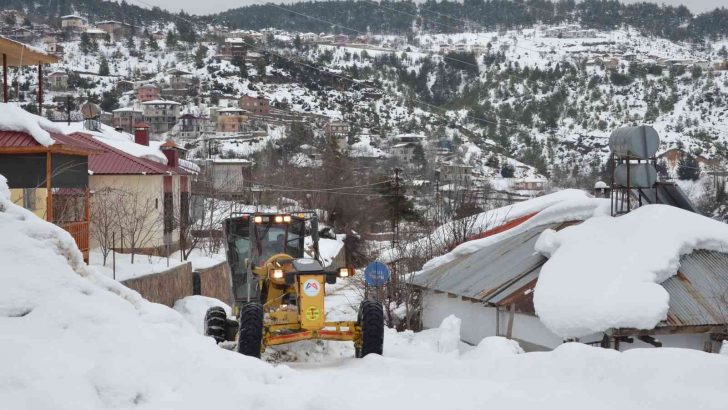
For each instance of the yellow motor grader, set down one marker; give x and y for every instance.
(279, 292)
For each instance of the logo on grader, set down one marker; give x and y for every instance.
(311, 287)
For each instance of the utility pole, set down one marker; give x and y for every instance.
(395, 225)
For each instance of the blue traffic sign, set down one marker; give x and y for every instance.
(376, 274)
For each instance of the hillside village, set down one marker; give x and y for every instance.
(553, 184)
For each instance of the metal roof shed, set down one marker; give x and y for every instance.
(62, 165)
(17, 54)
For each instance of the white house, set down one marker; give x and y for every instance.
(491, 285)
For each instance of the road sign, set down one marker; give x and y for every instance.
(376, 274)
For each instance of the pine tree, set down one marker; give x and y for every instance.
(104, 67)
(688, 168)
(171, 40)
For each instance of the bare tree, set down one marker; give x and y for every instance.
(138, 219)
(104, 208)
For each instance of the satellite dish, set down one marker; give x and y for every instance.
(90, 111)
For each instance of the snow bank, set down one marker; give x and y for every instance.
(606, 272)
(14, 118)
(194, 308)
(563, 206)
(73, 339)
(492, 348)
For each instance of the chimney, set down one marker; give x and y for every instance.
(141, 133)
(169, 149)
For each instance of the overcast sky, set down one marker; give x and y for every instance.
(214, 6)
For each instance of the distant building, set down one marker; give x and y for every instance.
(73, 22)
(460, 175)
(404, 152)
(227, 178)
(161, 115)
(337, 129)
(127, 118)
(95, 34)
(116, 29)
(255, 105)
(58, 81)
(233, 47)
(309, 37)
(190, 126)
(529, 184)
(124, 86)
(231, 120)
(54, 47)
(181, 84)
(148, 92)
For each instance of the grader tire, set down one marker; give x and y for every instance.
(216, 324)
(251, 329)
(371, 322)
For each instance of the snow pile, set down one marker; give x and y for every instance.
(572, 205)
(73, 339)
(724, 348)
(493, 348)
(194, 308)
(14, 118)
(606, 272)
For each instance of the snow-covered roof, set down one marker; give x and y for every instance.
(119, 140)
(166, 102)
(575, 201)
(575, 296)
(95, 31)
(601, 185)
(72, 16)
(127, 109)
(14, 118)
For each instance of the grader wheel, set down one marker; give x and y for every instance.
(216, 323)
(371, 322)
(251, 329)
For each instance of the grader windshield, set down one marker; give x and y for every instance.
(251, 239)
(272, 238)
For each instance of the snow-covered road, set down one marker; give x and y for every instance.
(72, 338)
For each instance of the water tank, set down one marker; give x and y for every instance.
(639, 142)
(640, 175)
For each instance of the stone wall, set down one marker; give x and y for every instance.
(176, 283)
(216, 282)
(164, 287)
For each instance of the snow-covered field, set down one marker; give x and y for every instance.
(71, 338)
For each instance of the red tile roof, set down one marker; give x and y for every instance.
(114, 161)
(16, 139)
(106, 160)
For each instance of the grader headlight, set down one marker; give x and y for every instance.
(276, 274)
(345, 272)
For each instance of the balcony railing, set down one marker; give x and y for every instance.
(80, 233)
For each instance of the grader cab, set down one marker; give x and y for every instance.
(280, 293)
